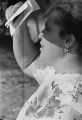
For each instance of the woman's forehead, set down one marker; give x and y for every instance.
(54, 13)
(54, 16)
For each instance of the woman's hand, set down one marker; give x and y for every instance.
(35, 22)
(9, 13)
(12, 9)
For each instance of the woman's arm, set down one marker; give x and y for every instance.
(24, 49)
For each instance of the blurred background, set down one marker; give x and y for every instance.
(15, 86)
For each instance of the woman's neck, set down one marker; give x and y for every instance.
(68, 64)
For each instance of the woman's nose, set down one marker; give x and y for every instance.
(40, 36)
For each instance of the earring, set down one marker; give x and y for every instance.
(66, 50)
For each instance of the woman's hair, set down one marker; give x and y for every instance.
(69, 22)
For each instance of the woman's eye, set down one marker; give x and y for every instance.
(47, 27)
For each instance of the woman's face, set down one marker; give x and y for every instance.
(51, 43)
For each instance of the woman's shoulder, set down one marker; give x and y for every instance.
(43, 73)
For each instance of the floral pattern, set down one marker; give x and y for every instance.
(58, 98)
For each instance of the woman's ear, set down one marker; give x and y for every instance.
(69, 41)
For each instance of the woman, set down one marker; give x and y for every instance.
(58, 69)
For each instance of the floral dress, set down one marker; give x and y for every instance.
(59, 97)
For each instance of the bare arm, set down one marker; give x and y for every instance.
(24, 37)
(24, 49)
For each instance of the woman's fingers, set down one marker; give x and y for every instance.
(12, 9)
(7, 13)
(32, 26)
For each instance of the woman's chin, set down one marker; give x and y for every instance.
(42, 49)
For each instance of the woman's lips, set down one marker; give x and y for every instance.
(41, 43)
(41, 46)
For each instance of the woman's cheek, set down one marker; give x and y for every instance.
(48, 36)
(45, 33)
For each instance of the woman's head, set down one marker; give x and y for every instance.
(63, 29)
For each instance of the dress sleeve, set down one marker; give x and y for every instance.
(35, 73)
(44, 75)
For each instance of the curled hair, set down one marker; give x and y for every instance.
(68, 23)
